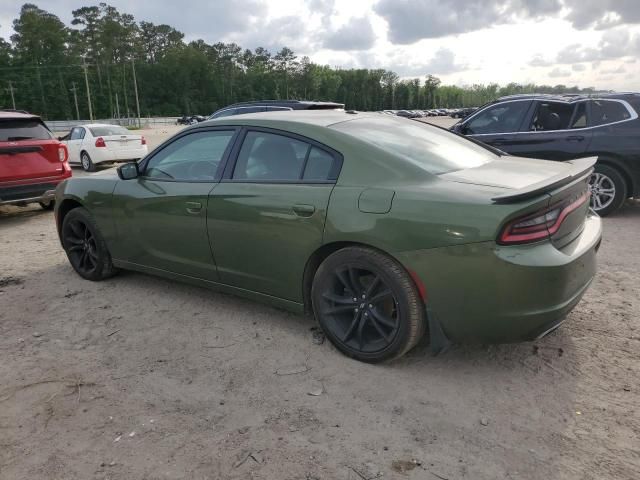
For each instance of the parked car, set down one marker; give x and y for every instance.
(568, 127)
(96, 143)
(274, 106)
(376, 224)
(32, 161)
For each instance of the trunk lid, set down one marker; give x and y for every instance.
(564, 184)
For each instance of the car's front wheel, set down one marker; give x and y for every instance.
(367, 305)
(87, 163)
(608, 189)
(86, 249)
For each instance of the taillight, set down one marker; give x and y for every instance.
(100, 142)
(540, 225)
(63, 154)
(143, 140)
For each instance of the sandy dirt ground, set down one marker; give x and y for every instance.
(141, 378)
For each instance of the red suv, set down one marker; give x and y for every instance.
(32, 161)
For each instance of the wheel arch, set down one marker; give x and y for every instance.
(614, 162)
(66, 205)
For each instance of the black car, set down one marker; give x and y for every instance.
(273, 106)
(568, 127)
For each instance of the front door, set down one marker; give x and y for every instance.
(161, 215)
(267, 216)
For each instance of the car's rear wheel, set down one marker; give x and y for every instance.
(608, 189)
(87, 163)
(86, 250)
(367, 305)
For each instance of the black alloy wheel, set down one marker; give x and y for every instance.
(367, 305)
(85, 248)
(360, 309)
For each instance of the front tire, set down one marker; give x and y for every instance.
(87, 164)
(608, 189)
(367, 305)
(85, 248)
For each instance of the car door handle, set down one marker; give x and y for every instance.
(193, 207)
(575, 138)
(303, 210)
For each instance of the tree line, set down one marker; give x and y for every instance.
(48, 67)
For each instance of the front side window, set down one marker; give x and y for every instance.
(551, 116)
(606, 111)
(267, 156)
(194, 157)
(433, 149)
(500, 118)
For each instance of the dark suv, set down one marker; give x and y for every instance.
(568, 127)
(273, 106)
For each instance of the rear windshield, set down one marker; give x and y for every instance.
(106, 131)
(23, 129)
(434, 149)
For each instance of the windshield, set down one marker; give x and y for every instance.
(110, 130)
(434, 149)
(23, 129)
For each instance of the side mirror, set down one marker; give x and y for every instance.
(128, 171)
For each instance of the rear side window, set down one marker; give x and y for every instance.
(266, 156)
(580, 116)
(552, 116)
(23, 129)
(318, 166)
(501, 118)
(606, 111)
(77, 133)
(433, 149)
(106, 131)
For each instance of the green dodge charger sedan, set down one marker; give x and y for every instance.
(386, 229)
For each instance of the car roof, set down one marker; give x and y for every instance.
(321, 118)
(569, 97)
(4, 114)
(284, 103)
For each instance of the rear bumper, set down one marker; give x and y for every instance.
(32, 193)
(103, 155)
(488, 293)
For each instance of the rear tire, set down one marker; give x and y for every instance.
(85, 248)
(608, 189)
(367, 305)
(87, 164)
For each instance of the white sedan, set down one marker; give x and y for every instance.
(95, 143)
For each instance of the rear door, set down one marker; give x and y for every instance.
(555, 131)
(27, 150)
(498, 125)
(267, 215)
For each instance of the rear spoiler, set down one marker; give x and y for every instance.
(582, 167)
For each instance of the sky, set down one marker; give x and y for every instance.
(589, 43)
